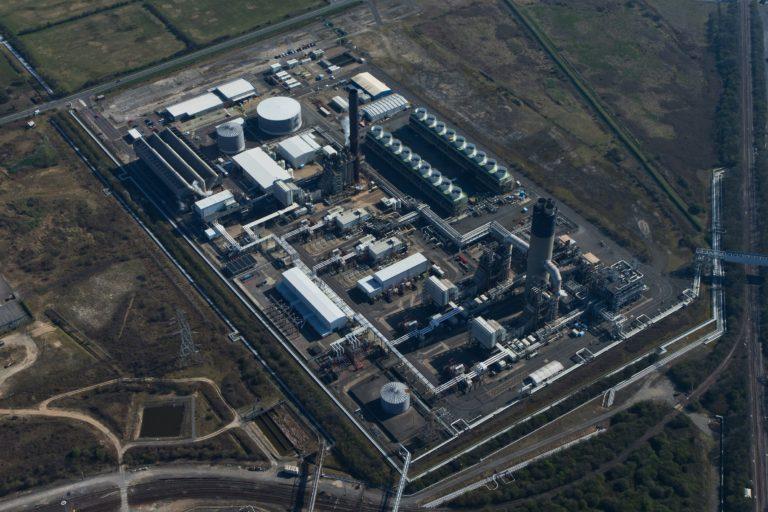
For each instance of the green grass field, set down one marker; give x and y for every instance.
(98, 46)
(206, 20)
(20, 15)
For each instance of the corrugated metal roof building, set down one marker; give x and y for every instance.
(544, 373)
(194, 106)
(371, 85)
(385, 107)
(309, 300)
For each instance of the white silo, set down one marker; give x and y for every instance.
(395, 398)
(230, 138)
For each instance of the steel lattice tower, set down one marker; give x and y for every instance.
(188, 350)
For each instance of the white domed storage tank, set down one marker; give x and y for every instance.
(230, 138)
(377, 131)
(279, 115)
(460, 143)
(395, 398)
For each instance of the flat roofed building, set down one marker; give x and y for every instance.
(194, 106)
(349, 219)
(260, 169)
(309, 300)
(391, 276)
(382, 249)
(208, 207)
(299, 150)
(371, 85)
(236, 90)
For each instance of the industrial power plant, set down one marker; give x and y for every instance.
(406, 264)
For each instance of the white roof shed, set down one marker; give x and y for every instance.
(194, 106)
(236, 90)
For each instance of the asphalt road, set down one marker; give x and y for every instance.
(183, 59)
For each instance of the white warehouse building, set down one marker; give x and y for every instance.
(309, 300)
(391, 276)
(209, 207)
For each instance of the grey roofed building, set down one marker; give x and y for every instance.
(12, 313)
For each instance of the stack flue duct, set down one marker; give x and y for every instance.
(354, 133)
(542, 243)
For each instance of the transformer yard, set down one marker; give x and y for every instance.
(424, 281)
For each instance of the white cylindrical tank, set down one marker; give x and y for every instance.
(230, 137)
(395, 398)
(279, 115)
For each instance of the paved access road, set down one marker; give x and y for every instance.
(183, 59)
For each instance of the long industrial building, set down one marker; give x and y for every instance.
(176, 164)
(162, 169)
(393, 275)
(486, 170)
(190, 156)
(438, 188)
(309, 300)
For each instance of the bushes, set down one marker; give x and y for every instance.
(722, 32)
(663, 471)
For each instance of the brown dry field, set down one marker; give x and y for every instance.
(649, 62)
(70, 247)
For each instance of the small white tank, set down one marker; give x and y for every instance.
(395, 398)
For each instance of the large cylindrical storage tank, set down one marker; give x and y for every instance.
(279, 115)
(395, 398)
(230, 138)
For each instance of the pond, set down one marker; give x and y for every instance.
(162, 420)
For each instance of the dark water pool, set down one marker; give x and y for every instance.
(162, 421)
